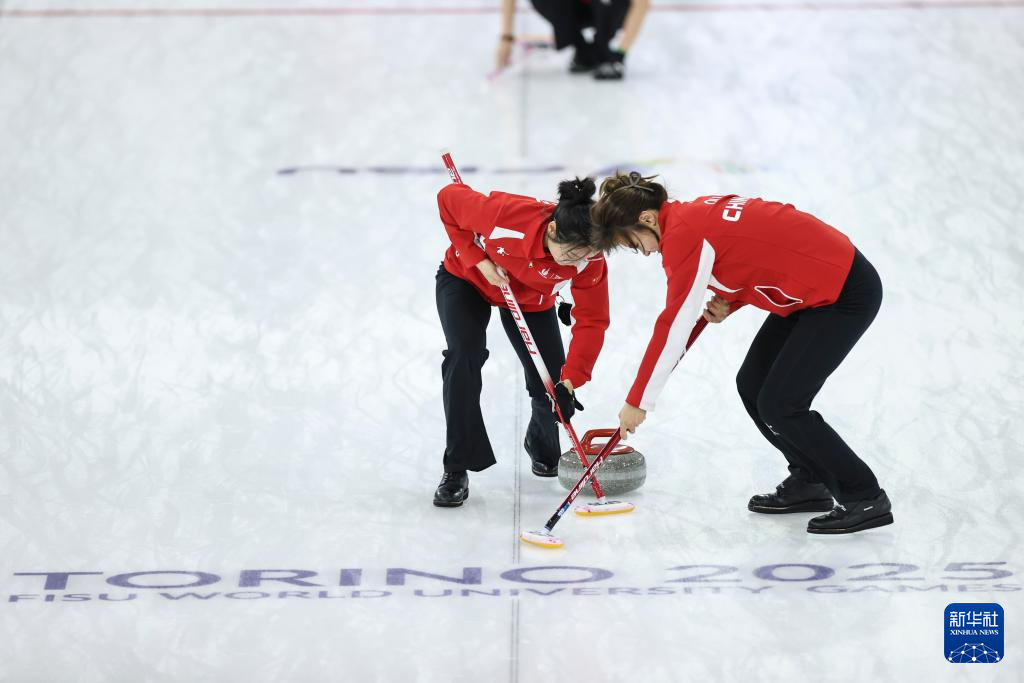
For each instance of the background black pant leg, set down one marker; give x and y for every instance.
(608, 20)
(567, 19)
(464, 316)
(758, 362)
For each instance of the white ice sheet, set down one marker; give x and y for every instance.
(209, 366)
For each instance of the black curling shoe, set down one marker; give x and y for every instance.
(854, 516)
(540, 460)
(792, 495)
(452, 491)
(583, 59)
(542, 469)
(542, 440)
(611, 69)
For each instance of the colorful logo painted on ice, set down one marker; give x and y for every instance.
(974, 633)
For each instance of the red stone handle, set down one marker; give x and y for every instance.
(590, 449)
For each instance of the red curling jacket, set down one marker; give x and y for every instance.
(509, 229)
(747, 251)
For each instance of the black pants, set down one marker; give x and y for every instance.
(464, 316)
(785, 368)
(568, 18)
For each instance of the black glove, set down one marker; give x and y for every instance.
(564, 311)
(567, 402)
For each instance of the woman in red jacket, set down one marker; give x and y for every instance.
(821, 294)
(537, 248)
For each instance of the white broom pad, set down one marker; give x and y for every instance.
(609, 507)
(541, 538)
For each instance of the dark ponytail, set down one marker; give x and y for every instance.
(572, 215)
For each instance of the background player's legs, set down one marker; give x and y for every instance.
(464, 315)
(542, 434)
(608, 19)
(568, 19)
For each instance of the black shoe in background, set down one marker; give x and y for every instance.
(453, 490)
(542, 440)
(854, 516)
(792, 495)
(612, 68)
(583, 59)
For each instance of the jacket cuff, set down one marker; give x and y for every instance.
(637, 402)
(472, 256)
(577, 378)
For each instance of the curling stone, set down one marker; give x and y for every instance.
(624, 470)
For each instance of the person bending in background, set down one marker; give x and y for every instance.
(568, 18)
(536, 248)
(820, 293)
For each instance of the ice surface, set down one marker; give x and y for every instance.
(207, 365)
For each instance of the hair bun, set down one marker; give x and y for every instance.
(633, 180)
(578, 191)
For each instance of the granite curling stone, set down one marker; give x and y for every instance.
(624, 470)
